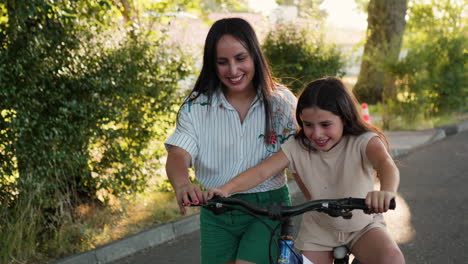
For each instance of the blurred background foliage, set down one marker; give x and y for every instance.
(299, 55)
(89, 90)
(85, 102)
(432, 74)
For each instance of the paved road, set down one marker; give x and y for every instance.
(430, 223)
(434, 184)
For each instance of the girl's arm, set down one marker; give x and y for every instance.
(387, 172)
(252, 177)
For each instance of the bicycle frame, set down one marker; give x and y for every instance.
(276, 211)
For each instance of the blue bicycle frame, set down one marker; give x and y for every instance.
(286, 252)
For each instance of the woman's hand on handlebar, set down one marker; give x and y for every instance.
(210, 193)
(379, 201)
(188, 194)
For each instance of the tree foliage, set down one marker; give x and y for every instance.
(432, 78)
(84, 105)
(299, 56)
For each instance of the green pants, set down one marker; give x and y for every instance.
(236, 235)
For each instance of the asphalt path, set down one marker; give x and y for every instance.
(434, 185)
(430, 223)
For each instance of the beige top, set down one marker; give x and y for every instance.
(344, 171)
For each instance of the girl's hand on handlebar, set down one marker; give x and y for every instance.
(379, 201)
(188, 194)
(210, 193)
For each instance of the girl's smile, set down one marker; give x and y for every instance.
(323, 128)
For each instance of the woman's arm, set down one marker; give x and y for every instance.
(387, 172)
(252, 177)
(177, 165)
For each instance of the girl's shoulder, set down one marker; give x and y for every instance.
(292, 144)
(361, 141)
(364, 137)
(368, 135)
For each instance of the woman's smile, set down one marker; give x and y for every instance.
(234, 65)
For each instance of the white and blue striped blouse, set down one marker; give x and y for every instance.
(221, 146)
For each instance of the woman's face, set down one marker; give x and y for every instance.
(234, 65)
(323, 128)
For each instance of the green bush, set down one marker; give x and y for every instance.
(432, 79)
(299, 55)
(83, 112)
(433, 84)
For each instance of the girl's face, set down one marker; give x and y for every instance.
(234, 65)
(323, 128)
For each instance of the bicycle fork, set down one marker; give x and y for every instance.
(286, 254)
(286, 246)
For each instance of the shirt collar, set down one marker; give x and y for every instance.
(220, 100)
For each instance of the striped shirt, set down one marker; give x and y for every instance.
(221, 147)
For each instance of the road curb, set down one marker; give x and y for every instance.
(134, 243)
(408, 146)
(455, 129)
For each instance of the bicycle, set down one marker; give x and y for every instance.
(276, 211)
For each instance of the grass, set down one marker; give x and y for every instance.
(91, 226)
(419, 123)
(96, 225)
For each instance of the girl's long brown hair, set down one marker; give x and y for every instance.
(330, 94)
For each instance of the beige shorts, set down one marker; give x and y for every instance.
(325, 240)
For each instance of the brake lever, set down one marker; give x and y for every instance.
(216, 205)
(335, 212)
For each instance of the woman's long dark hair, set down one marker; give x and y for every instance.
(208, 82)
(330, 94)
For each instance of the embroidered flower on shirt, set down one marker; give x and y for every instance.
(273, 138)
(283, 128)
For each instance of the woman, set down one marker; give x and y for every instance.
(235, 117)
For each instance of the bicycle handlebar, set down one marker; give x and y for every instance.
(275, 211)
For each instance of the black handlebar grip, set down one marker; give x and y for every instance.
(362, 202)
(392, 204)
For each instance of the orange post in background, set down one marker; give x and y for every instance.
(365, 113)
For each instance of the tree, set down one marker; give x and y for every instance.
(386, 24)
(432, 77)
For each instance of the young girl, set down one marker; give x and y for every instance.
(335, 154)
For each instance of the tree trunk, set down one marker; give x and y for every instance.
(126, 10)
(386, 24)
